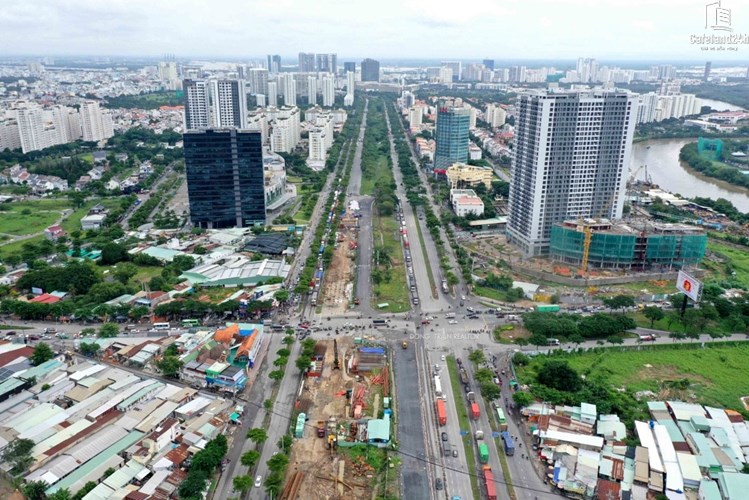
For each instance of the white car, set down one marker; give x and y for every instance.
(453, 322)
(258, 481)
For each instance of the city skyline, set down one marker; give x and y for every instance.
(414, 29)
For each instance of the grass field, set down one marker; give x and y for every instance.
(41, 214)
(737, 262)
(714, 373)
(395, 290)
(381, 172)
(17, 246)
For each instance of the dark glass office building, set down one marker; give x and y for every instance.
(451, 136)
(225, 181)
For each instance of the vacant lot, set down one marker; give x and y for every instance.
(714, 373)
(29, 217)
(389, 277)
(735, 261)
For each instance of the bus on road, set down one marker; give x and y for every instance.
(161, 326)
(189, 323)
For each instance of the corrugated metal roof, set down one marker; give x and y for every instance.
(144, 392)
(168, 390)
(162, 412)
(96, 443)
(123, 476)
(92, 370)
(150, 487)
(118, 397)
(38, 414)
(193, 406)
(124, 382)
(79, 410)
(36, 432)
(107, 458)
(80, 393)
(61, 435)
(43, 369)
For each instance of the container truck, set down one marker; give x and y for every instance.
(441, 412)
(437, 385)
(483, 453)
(491, 490)
(475, 411)
(509, 444)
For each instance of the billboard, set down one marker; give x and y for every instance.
(691, 287)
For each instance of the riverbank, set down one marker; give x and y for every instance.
(661, 157)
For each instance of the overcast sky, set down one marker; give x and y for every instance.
(439, 29)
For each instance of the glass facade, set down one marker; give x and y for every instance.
(225, 180)
(451, 136)
(612, 250)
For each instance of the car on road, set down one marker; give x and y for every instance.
(424, 322)
(11, 333)
(443, 357)
(461, 303)
(444, 436)
(453, 322)
(438, 483)
(470, 309)
(455, 452)
(462, 297)
(258, 481)
(646, 337)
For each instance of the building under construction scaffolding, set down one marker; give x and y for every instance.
(637, 245)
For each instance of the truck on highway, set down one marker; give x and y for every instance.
(491, 489)
(483, 453)
(441, 412)
(450, 315)
(437, 385)
(509, 444)
(475, 411)
(463, 376)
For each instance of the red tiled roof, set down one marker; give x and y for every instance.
(46, 298)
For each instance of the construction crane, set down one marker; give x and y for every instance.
(588, 233)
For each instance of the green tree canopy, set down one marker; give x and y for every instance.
(42, 352)
(109, 330)
(242, 484)
(522, 398)
(557, 374)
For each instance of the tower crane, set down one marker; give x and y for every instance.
(588, 233)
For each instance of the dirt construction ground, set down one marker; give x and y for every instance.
(322, 398)
(339, 278)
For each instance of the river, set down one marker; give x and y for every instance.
(662, 159)
(720, 105)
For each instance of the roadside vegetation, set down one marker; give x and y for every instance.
(389, 272)
(612, 377)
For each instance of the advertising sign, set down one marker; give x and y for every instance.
(691, 287)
